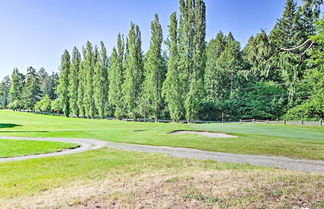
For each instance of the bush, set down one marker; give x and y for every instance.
(312, 109)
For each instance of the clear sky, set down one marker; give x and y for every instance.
(35, 32)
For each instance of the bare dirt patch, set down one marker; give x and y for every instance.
(185, 189)
(205, 133)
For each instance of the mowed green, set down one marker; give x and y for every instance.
(14, 148)
(32, 176)
(306, 142)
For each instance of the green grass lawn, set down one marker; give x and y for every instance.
(45, 178)
(281, 140)
(31, 176)
(13, 148)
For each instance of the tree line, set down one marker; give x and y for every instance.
(276, 75)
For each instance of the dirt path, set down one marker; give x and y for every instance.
(313, 166)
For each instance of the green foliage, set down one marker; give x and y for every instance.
(100, 82)
(31, 91)
(55, 106)
(172, 87)
(313, 107)
(196, 86)
(132, 87)
(116, 78)
(88, 67)
(264, 100)
(44, 105)
(193, 79)
(63, 85)
(212, 75)
(4, 92)
(257, 53)
(16, 90)
(154, 74)
(74, 81)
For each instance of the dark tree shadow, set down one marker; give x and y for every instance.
(8, 125)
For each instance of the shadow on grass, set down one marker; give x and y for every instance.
(8, 125)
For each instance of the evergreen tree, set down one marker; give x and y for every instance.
(116, 78)
(154, 72)
(290, 31)
(132, 87)
(101, 82)
(257, 53)
(229, 64)
(88, 67)
(312, 106)
(31, 92)
(16, 90)
(43, 80)
(52, 86)
(172, 88)
(62, 89)
(74, 81)
(4, 92)
(214, 50)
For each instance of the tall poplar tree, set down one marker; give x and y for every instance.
(116, 78)
(154, 72)
(88, 67)
(192, 60)
(74, 81)
(132, 87)
(100, 81)
(82, 83)
(62, 89)
(196, 78)
(172, 87)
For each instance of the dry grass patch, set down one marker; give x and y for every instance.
(186, 189)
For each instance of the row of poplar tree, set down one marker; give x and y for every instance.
(275, 75)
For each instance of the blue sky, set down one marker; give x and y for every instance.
(35, 32)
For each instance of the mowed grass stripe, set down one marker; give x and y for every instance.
(15, 148)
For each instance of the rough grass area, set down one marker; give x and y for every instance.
(14, 148)
(280, 140)
(118, 179)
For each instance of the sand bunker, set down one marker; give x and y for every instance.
(205, 133)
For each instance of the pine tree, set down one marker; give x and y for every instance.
(62, 89)
(44, 81)
(132, 87)
(116, 78)
(52, 86)
(4, 92)
(31, 92)
(88, 67)
(172, 87)
(16, 90)
(154, 72)
(257, 52)
(74, 81)
(100, 81)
